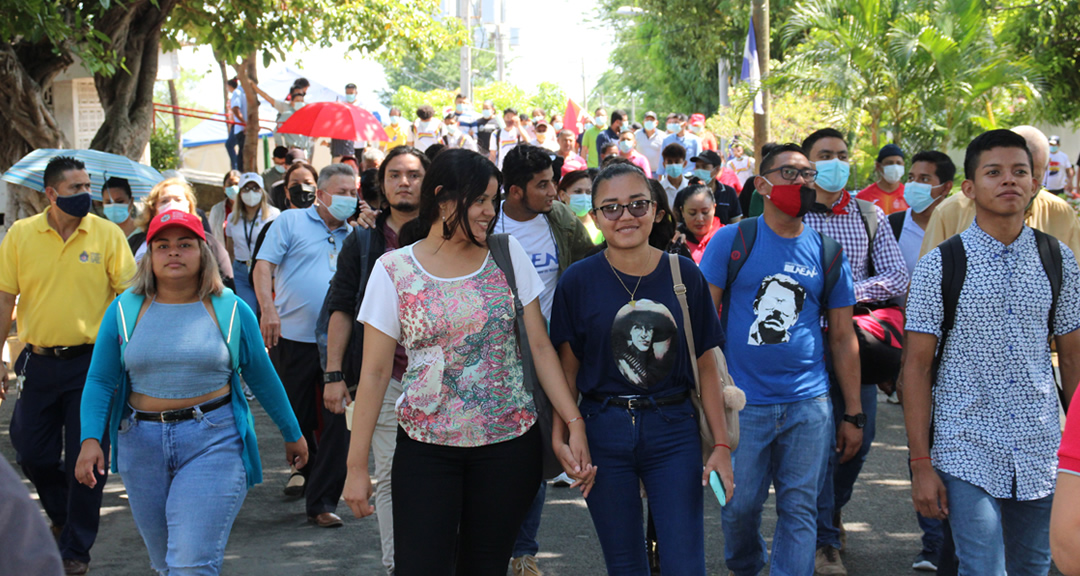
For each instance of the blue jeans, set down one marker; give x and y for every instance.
(995, 536)
(526, 543)
(185, 482)
(661, 448)
(244, 289)
(783, 445)
(840, 478)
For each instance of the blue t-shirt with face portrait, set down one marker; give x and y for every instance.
(775, 347)
(632, 348)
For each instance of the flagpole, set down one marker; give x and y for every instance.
(761, 121)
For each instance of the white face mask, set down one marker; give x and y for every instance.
(252, 197)
(893, 173)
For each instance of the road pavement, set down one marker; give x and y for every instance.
(272, 538)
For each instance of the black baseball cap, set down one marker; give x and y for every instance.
(708, 157)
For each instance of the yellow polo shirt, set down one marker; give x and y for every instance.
(1048, 214)
(397, 135)
(63, 287)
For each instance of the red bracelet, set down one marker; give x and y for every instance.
(715, 446)
(572, 420)
(917, 459)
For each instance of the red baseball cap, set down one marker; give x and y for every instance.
(697, 119)
(175, 218)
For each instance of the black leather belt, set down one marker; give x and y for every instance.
(640, 402)
(62, 352)
(184, 413)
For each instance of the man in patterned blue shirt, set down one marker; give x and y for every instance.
(993, 402)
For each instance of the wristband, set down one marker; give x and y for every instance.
(572, 420)
(715, 446)
(921, 458)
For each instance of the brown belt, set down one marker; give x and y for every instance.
(62, 352)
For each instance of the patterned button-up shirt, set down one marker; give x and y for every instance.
(848, 228)
(995, 401)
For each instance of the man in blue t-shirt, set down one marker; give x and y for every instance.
(776, 353)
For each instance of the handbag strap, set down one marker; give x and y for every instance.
(680, 293)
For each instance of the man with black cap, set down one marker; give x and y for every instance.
(707, 167)
(1060, 172)
(275, 173)
(888, 192)
(66, 266)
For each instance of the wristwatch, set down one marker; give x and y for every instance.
(338, 376)
(859, 420)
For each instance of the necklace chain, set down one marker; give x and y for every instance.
(633, 300)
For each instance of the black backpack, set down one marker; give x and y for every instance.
(740, 251)
(954, 270)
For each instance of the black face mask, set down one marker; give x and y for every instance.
(77, 205)
(301, 195)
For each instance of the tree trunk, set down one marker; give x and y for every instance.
(175, 101)
(247, 74)
(26, 74)
(128, 95)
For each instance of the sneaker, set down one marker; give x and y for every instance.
(892, 398)
(562, 481)
(295, 486)
(925, 562)
(524, 566)
(827, 562)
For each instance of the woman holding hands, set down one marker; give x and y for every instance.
(468, 456)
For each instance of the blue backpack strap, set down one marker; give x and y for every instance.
(740, 251)
(831, 265)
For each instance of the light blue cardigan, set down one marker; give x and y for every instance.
(104, 399)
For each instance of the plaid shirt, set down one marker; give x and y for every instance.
(849, 230)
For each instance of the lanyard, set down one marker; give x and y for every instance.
(249, 232)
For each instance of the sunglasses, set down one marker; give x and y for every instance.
(637, 208)
(790, 173)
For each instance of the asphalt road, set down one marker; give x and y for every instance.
(271, 536)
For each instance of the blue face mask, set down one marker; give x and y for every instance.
(649, 125)
(1054, 149)
(581, 204)
(486, 113)
(919, 196)
(588, 126)
(350, 98)
(703, 174)
(116, 213)
(832, 175)
(342, 207)
(557, 126)
(625, 146)
(77, 205)
(459, 108)
(231, 192)
(674, 170)
(674, 127)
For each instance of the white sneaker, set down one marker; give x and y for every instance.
(562, 480)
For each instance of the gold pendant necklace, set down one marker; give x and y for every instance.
(633, 301)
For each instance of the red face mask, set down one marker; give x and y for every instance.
(792, 199)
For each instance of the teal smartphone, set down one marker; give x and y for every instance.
(718, 488)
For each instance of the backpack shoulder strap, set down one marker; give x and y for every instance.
(896, 221)
(1050, 254)
(499, 245)
(868, 212)
(831, 251)
(953, 272)
(740, 251)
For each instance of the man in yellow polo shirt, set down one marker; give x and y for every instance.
(1047, 212)
(66, 266)
(396, 131)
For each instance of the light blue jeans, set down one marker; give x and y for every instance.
(244, 289)
(995, 536)
(784, 445)
(185, 483)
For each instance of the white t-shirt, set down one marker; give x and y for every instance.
(506, 139)
(245, 234)
(536, 238)
(428, 133)
(380, 307)
(671, 190)
(911, 237)
(651, 148)
(743, 167)
(1055, 172)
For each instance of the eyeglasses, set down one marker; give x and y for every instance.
(790, 173)
(637, 208)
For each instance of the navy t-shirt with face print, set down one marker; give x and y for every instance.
(632, 348)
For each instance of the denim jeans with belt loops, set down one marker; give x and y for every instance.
(185, 482)
(659, 447)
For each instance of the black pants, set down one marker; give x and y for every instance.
(44, 424)
(461, 506)
(297, 364)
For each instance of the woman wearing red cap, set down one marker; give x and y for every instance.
(164, 384)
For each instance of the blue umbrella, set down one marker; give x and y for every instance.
(30, 171)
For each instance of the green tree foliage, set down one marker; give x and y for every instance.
(1049, 32)
(163, 155)
(550, 98)
(442, 72)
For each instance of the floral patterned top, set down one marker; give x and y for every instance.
(464, 384)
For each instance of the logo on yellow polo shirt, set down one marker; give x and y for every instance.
(91, 257)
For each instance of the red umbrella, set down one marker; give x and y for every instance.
(337, 120)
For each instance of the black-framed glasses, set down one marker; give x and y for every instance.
(790, 173)
(637, 208)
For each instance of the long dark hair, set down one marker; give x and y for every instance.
(464, 177)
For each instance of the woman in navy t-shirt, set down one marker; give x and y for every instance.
(618, 325)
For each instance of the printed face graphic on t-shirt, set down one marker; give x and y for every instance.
(777, 306)
(643, 340)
